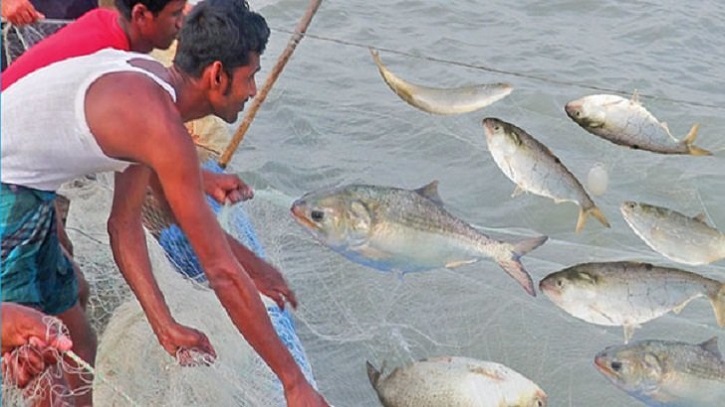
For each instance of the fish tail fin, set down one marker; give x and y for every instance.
(717, 299)
(373, 374)
(690, 139)
(515, 269)
(584, 214)
(527, 245)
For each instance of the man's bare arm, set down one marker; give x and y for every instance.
(128, 243)
(152, 133)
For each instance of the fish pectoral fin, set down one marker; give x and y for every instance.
(629, 331)
(701, 217)
(517, 191)
(635, 97)
(458, 263)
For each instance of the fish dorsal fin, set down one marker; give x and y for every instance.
(373, 374)
(635, 97)
(701, 217)
(430, 191)
(710, 345)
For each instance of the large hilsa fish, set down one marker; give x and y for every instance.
(534, 168)
(667, 373)
(625, 293)
(394, 229)
(626, 122)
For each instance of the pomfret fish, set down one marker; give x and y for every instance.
(393, 229)
(534, 168)
(455, 382)
(626, 122)
(628, 293)
(442, 101)
(667, 373)
(680, 238)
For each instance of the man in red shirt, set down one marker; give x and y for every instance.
(141, 26)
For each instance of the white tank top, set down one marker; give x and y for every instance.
(45, 139)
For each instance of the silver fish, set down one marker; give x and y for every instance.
(680, 238)
(534, 168)
(442, 101)
(393, 229)
(455, 382)
(626, 122)
(667, 373)
(628, 293)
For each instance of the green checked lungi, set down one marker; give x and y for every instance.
(35, 272)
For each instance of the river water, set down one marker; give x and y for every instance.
(331, 120)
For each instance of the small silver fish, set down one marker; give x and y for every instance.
(455, 382)
(627, 293)
(534, 168)
(626, 122)
(680, 238)
(667, 373)
(393, 229)
(442, 101)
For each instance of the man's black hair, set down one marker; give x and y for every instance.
(154, 6)
(220, 30)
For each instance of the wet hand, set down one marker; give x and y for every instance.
(190, 346)
(223, 187)
(31, 341)
(20, 12)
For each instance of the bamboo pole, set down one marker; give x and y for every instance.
(271, 78)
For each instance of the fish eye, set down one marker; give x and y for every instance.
(539, 403)
(317, 216)
(560, 283)
(616, 366)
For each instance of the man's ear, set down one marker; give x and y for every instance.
(139, 12)
(217, 78)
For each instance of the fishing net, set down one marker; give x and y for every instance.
(17, 40)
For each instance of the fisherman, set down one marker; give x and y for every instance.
(213, 73)
(141, 26)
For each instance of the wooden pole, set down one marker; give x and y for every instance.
(271, 78)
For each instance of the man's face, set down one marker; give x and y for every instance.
(242, 87)
(166, 25)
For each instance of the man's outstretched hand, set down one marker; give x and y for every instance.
(226, 187)
(182, 342)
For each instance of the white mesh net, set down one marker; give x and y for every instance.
(17, 40)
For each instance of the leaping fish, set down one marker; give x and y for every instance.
(681, 238)
(534, 168)
(667, 373)
(443, 101)
(394, 229)
(629, 293)
(626, 122)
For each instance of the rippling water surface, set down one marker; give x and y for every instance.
(330, 120)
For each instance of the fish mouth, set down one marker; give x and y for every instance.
(298, 212)
(548, 288)
(600, 362)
